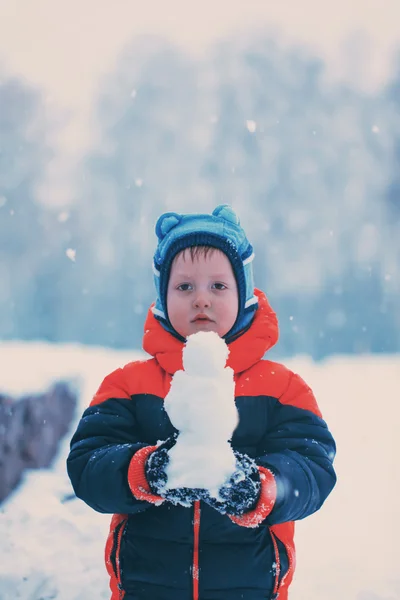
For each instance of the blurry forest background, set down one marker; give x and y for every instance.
(312, 167)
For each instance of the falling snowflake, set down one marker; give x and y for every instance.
(251, 126)
(63, 216)
(133, 93)
(138, 182)
(71, 254)
(375, 129)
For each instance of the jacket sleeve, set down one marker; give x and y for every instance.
(101, 463)
(295, 459)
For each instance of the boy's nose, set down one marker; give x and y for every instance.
(201, 300)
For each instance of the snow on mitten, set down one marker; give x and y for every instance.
(158, 481)
(241, 492)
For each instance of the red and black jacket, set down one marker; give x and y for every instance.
(158, 551)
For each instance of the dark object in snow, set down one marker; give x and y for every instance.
(30, 430)
(68, 498)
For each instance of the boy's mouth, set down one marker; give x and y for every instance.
(201, 318)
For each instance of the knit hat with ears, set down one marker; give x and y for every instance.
(220, 230)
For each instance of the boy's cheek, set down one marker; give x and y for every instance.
(177, 307)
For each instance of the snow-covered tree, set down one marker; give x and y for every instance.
(150, 138)
(24, 153)
(306, 164)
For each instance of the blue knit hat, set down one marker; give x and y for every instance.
(220, 230)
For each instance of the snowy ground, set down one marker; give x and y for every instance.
(52, 546)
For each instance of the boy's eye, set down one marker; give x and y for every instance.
(220, 286)
(184, 287)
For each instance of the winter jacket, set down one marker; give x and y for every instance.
(159, 551)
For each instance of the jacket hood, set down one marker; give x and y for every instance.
(244, 351)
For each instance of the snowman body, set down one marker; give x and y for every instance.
(201, 405)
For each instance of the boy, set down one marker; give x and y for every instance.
(185, 544)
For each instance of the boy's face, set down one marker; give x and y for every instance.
(202, 293)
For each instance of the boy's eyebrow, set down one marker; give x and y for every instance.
(181, 275)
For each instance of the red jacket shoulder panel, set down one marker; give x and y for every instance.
(112, 386)
(268, 378)
(147, 377)
(137, 377)
(265, 378)
(299, 394)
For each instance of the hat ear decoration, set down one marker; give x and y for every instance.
(226, 212)
(165, 223)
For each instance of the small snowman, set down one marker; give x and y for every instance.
(201, 405)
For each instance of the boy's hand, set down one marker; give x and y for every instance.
(241, 492)
(158, 481)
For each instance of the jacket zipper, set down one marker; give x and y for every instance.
(116, 561)
(277, 565)
(195, 566)
(290, 566)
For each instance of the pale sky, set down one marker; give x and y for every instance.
(66, 45)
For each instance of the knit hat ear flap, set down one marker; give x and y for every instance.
(221, 230)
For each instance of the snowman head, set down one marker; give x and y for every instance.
(205, 353)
